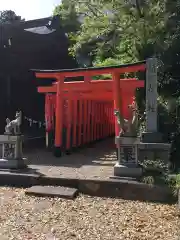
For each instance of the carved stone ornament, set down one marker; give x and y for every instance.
(129, 127)
(13, 127)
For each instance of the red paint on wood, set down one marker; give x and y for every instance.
(75, 118)
(90, 103)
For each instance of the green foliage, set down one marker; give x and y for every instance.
(169, 125)
(117, 31)
(155, 172)
(123, 31)
(174, 184)
(9, 16)
(69, 18)
(148, 180)
(157, 166)
(177, 186)
(106, 62)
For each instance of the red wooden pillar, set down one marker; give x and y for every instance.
(69, 123)
(49, 118)
(59, 117)
(93, 121)
(85, 122)
(80, 122)
(112, 119)
(101, 120)
(117, 98)
(98, 120)
(106, 119)
(109, 122)
(75, 116)
(89, 121)
(88, 135)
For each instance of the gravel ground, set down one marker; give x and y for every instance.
(25, 217)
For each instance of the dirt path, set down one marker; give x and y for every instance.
(85, 218)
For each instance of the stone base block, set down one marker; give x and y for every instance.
(13, 164)
(151, 137)
(10, 138)
(129, 170)
(153, 151)
(127, 140)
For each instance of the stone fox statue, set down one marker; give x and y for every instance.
(13, 127)
(128, 127)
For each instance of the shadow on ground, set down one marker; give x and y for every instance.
(98, 154)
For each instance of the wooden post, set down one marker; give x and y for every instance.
(95, 119)
(109, 119)
(101, 119)
(69, 124)
(80, 122)
(112, 120)
(75, 115)
(85, 122)
(117, 99)
(59, 118)
(106, 122)
(89, 122)
(98, 120)
(109, 123)
(92, 121)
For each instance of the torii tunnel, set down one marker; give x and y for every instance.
(81, 112)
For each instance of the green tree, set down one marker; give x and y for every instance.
(68, 15)
(70, 20)
(9, 16)
(171, 55)
(121, 31)
(116, 29)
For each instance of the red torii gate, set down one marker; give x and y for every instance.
(90, 103)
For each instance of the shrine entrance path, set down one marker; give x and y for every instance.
(89, 170)
(96, 161)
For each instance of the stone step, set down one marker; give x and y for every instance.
(13, 163)
(53, 191)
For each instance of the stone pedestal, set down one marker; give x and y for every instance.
(153, 151)
(11, 149)
(151, 137)
(127, 165)
(152, 147)
(126, 170)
